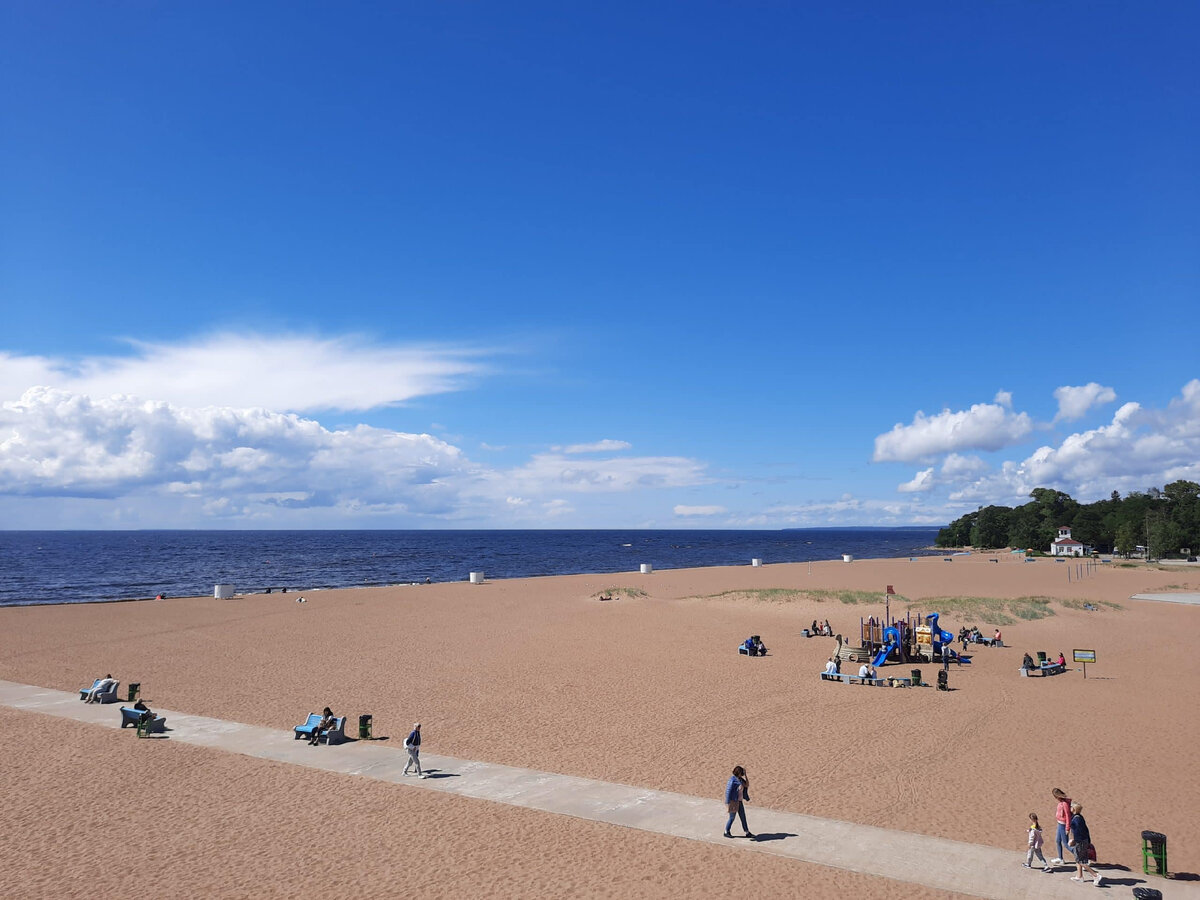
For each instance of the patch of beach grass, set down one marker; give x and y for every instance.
(631, 593)
(792, 595)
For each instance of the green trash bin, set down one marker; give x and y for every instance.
(916, 677)
(135, 688)
(364, 727)
(1154, 853)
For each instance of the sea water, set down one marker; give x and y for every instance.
(90, 566)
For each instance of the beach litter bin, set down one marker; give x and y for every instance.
(135, 688)
(1154, 852)
(916, 677)
(364, 727)
(1145, 893)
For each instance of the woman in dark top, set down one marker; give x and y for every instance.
(1080, 841)
(327, 720)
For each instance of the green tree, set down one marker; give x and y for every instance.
(991, 528)
(1127, 538)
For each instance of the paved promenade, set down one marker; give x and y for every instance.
(970, 869)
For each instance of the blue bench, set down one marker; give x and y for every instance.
(130, 716)
(1046, 668)
(108, 696)
(335, 735)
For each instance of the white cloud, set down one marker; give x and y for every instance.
(681, 510)
(956, 467)
(1074, 402)
(1139, 448)
(555, 471)
(228, 462)
(287, 373)
(1004, 398)
(604, 446)
(922, 481)
(985, 426)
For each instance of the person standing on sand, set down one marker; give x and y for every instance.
(412, 744)
(1062, 815)
(736, 792)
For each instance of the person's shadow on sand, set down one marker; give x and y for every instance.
(438, 773)
(772, 836)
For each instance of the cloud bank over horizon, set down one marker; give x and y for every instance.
(222, 436)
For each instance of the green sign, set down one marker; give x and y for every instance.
(1084, 656)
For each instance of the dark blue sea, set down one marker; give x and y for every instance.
(92, 566)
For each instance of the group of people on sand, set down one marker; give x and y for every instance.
(819, 630)
(1028, 663)
(1072, 830)
(753, 646)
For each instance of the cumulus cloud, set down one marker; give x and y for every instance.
(681, 510)
(1139, 448)
(956, 467)
(985, 426)
(604, 446)
(246, 462)
(922, 481)
(286, 373)
(1074, 402)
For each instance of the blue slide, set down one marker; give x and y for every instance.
(891, 640)
(939, 636)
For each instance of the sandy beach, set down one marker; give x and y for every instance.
(645, 689)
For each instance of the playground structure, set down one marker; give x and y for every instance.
(915, 638)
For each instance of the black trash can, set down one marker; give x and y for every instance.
(1144, 893)
(364, 727)
(135, 688)
(916, 677)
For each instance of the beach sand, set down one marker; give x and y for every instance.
(645, 690)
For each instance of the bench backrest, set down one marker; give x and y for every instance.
(313, 719)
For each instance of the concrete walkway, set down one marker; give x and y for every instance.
(972, 869)
(1188, 599)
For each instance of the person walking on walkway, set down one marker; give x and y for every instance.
(412, 744)
(737, 791)
(1035, 844)
(1081, 842)
(1062, 815)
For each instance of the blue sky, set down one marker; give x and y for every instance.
(523, 265)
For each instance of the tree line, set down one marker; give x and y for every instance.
(1166, 522)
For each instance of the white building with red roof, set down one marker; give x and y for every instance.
(1065, 546)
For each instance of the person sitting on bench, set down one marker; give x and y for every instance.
(831, 667)
(815, 630)
(1062, 660)
(327, 720)
(866, 670)
(147, 714)
(103, 686)
(1027, 663)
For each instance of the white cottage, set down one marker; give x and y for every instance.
(1065, 546)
